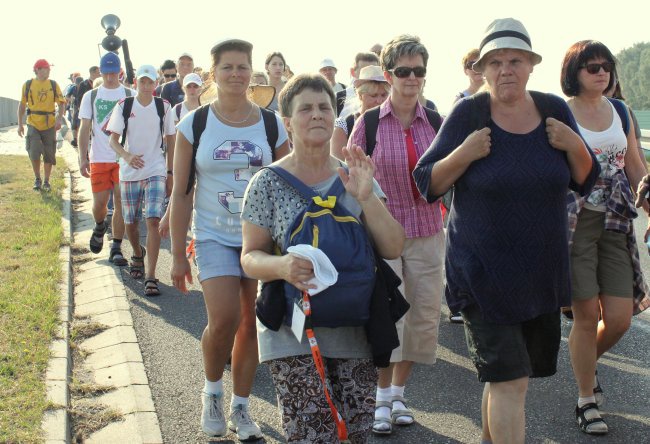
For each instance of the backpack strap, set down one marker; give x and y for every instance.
(126, 113)
(371, 119)
(160, 109)
(349, 123)
(621, 109)
(177, 110)
(434, 119)
(340, 101)
(28, 90)
(479, 110)
(199, 122)
(93, 96)
(305, 191)
(53, 83)
(271, 129)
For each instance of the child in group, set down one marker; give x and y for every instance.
(145, 168)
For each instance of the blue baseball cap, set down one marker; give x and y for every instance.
(110, 63)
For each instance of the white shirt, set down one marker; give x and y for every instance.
(226, 160)
(105, 101)
(143, 137)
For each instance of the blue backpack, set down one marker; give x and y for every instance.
(328, 225)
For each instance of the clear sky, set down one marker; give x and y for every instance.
(67, 34)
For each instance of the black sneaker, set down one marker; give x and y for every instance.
(37, 183)
(97, 238)
(74, 143)
(46, 186)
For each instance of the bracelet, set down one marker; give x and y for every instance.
(170, 172)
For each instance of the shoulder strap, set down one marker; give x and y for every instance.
(434, 119)
(621, 109)
(479, 110)
(160, 109)
(349, 123)
(126, 113)
(177, 110)
(543, 104)
(199, 121)
(371, 119)
(305, 191)
(53, 83)
(93, 96)
(271, 128)
(340, 101)
(28, 88)
(127, 92)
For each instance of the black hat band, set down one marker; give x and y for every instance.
(500, 34)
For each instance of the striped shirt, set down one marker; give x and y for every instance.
(419, 218)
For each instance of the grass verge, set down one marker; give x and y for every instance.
(30, 272)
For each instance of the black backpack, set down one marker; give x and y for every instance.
(198, 126)
(160, 109)
(371, 118)
(340, 101)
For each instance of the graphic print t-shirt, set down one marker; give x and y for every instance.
(100, 150)
(226, 160)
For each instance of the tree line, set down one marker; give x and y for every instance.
(634, 71)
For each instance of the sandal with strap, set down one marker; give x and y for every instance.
(598, 426)
(136, 267)
(598, 393)
(97, 238)
(395, 414)
(382, 426)
(151, 287)
(116, 257)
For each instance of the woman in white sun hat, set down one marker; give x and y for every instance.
(372, 90)
(507, 261)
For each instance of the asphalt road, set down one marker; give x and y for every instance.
(445, 396)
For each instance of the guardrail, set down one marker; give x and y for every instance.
(8, 112)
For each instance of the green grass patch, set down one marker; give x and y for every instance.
(30, 272)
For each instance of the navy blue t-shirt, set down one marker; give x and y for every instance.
(507, 239)
(173, 92)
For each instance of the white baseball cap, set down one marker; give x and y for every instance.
(192, 78)
(147, 71)
(325, 63)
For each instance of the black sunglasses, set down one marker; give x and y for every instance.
(469, 64)
(405, 71)
(594, 68)
(170, 76)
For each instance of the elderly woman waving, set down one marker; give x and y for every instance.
(507, 259)
(275, 198)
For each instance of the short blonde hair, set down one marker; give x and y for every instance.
(372, 87)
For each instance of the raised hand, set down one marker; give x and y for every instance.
(361, 170)
(477, 145)
(560, 136)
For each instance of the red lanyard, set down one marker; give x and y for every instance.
(318, 360)
(412, 159)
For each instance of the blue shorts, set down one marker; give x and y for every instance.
(216, 260)
(152, 189)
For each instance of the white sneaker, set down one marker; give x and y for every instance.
(213, 422)
(240, 422)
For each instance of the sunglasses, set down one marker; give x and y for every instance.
(594, 68)
(404, 71)
(170, 76)
(469, 64)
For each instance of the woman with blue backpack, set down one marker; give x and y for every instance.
(606, 278)
(310, 197)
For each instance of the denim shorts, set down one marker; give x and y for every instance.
(506, 352)
(216, 260)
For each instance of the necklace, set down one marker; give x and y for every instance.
(214, 106)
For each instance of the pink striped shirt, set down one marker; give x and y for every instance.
(418, 218)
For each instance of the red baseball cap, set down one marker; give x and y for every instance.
(41, 63)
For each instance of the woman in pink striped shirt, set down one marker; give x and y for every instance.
(404, 132)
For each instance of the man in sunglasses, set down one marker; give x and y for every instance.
(167, 73)
(404, 130)
(172, 91)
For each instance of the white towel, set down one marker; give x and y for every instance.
(325, 275)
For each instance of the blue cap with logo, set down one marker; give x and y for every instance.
(110, 63)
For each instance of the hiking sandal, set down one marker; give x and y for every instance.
(151, 287)
(600, 428)
(117, 258)
(97, 238)
(136, 267)
(379, 424)
(598, 392)
(396, 413)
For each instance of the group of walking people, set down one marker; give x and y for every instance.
(540, 218)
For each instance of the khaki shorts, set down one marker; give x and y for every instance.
(420, 269)
(600, 259)
(41, 143)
